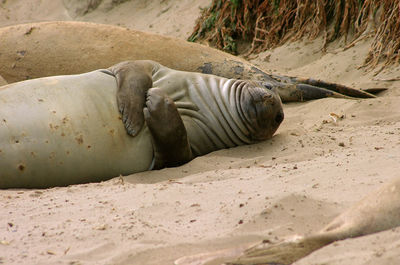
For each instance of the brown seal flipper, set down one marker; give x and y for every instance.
(302, 92)
(134, 78)
(374, 90)
(168, 132)
(376, 212)
(321, 88)
(339, 88)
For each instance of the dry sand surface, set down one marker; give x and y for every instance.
(312, 169)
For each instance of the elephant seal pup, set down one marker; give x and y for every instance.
(58, 48)
(378, 211)
(63, 130)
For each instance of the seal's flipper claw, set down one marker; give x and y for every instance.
(133, 122)
(121, 108)
(125, 118)
(130, 128)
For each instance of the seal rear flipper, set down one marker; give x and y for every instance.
(171, 145)
(304, 92)
(341, 89)
(320, 89)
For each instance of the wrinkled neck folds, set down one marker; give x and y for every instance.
(210, 107)
(220, 110)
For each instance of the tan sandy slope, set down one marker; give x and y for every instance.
(295, 183)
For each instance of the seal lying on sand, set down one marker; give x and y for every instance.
(64, 130)
(376, 212)
(58, 48)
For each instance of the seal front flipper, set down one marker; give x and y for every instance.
(134, 78)
(168, 132)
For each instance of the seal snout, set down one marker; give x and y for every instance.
(262, 110)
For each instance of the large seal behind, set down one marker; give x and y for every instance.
(42, 49)
(58, 48)
(64, 130)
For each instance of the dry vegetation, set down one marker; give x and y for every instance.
(266, 24)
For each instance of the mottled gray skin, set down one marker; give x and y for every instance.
(64, 130)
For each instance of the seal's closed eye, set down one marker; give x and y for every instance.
(267, 86)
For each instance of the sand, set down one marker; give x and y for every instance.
(295, 183)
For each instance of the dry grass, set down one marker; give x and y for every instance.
(270, 23)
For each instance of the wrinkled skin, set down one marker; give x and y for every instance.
(257, 103)
(168, 118)
(259, 107)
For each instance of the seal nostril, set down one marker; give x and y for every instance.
(279, 118)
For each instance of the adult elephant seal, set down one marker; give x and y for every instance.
(58, 48)
(64, 130)
(378, 211)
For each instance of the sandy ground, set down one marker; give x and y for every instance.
(311, 170)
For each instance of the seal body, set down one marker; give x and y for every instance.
(32, 50)
(63, 130)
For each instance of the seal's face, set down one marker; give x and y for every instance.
(262, 109)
